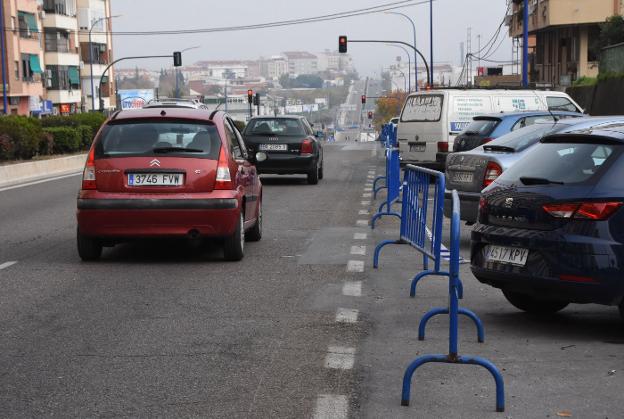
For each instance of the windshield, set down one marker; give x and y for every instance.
(568, 163)
(276, 126)
(171, 138)
(523, 138)
(422, 108)
(482, 126)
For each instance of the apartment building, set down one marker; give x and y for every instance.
(301, 62)
(22, 57)
(565, 34)
(96, 53)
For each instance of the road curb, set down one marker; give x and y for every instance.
(15, 174)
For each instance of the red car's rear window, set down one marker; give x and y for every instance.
(179, 138)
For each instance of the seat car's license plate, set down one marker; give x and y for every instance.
(417, 148)
(273, 147)
(462, 177)
(508, 255)
(155, 179)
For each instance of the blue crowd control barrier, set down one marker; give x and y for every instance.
(453, 310)
(393, 182)
(386, 132)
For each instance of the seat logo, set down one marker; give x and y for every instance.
(508, 203)
(273, 139)
(155, 162)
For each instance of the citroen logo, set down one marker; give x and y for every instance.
(155, 162)
(508, 203)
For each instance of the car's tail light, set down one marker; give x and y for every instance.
(577, 279)
(224, 180)
(492, 171)
(486, 140)
(88, 176)
(307, 146)
(442, 146)
(583, 210)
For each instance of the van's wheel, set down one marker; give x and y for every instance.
(255, 233)
(89, 248)
(533, 305)
(234, 246)
(313, 176)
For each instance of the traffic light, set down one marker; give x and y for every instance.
(363, 99)
(177, 59)
(370, 114)
(256, 99)
(250, 96)
(342, 44)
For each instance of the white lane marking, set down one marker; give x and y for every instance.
(361, 223)
(329, 406)
(23, 185)
(340, 358)
(7, 264)
(358, 250)
(374, 152)
(366, 203)
(367, 195)
(359, 236)
(363, 212)
(367, 189)
(347, 315)
(355, 266)
(352, 289)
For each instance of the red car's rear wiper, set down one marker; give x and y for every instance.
(176, 150)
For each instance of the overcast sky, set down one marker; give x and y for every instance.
(451, 20)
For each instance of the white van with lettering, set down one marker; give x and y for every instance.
(431, 120)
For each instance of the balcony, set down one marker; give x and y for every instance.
(69, 23)
(60, 7)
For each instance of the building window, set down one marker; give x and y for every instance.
(63, 77)
(31, 68)
(593, 42)
(60, 7)
(99, 53)
(17, 72)
(56, 41)
(27, 23)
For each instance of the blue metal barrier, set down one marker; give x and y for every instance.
(453, 310)
(392, 178)
(385, 141)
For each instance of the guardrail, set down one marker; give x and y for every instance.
(384, 138)
(392, 178)
(453, 310)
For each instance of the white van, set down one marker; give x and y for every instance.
(431, 120)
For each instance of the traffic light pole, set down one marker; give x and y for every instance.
(376, 41)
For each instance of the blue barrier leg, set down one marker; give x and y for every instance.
(381, 207)
(379, 215)
(498, 378)
(377, 190)
(423, 322)
(409, 372)
(378, 250)
(421, 276)
(477, 322)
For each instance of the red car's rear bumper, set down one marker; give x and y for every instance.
(117, 216)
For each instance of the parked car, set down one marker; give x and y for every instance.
(485, 128)
(551, 228)
(431, 120)
(288, 145)
(470, 171)
(168, 172)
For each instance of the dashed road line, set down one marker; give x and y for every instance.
(363, 212)
(360, 236)
(367, 195)
(361, 223)
(366, 203)
(330, 406)
(340, 358)
(358, 250)
(366, 189)
(355, 266)
(7, 264)
(347, 315)
(352, 289)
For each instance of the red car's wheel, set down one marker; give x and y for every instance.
(89, 248)
(234, 246)
(255, 233)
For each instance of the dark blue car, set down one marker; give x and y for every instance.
(485, 128)
(551, 228)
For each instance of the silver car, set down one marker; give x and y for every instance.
(469, 172)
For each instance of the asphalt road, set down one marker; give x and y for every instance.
(303, 327)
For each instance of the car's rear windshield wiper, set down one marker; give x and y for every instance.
(503, 148)
(539, 181)
(176, 150)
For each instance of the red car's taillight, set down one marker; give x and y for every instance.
(307, 146)
(583, 210)
(224, 179)
(492, 171)
(486, 140)
(442, 147)
(88, 175)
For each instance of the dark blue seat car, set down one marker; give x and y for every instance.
(550, 229)
(485, 128)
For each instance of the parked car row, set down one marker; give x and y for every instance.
(171, 170)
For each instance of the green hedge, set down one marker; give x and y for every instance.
(66, 139)
(20, 137)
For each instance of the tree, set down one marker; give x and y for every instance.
(388, 107)
(612, 31)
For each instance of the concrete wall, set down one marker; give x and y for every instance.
(606, 98)
(13, 174)
(612, 59)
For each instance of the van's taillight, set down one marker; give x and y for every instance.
(583, 210)
(307, 146)
(224, 180)
(486, 140)
(442, 146)
(88, 176)
(492, 171)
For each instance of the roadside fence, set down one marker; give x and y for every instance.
(392, 177)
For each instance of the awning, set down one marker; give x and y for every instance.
(31, 21)
(74, 77)
(35, 65)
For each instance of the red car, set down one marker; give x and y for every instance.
(169, 172)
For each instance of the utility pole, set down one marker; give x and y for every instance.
(431, 40)
(525, 45)
(5, 98)
(469, 57)
(478, 51)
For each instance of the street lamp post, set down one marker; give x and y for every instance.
(415, 54)
(431, 41)
(409, 66)
(93, 23)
